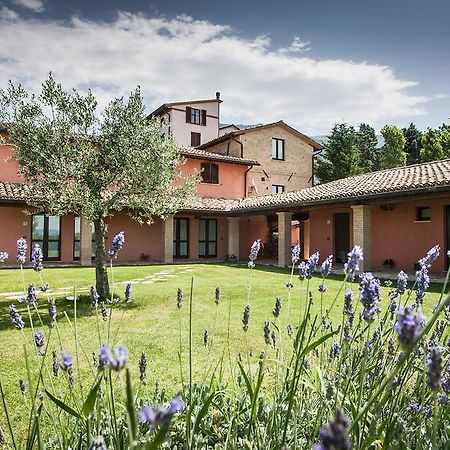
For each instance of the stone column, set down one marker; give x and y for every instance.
(284, 238)
(362, 233)
(167, 239)
(233, 237)
(85, 242)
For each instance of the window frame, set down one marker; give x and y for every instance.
(419, 214)
(278, 154)
(195, 134)
(207, 241)
(196, 116)
(45, 240)
(276, 186)
(213, 178)
(176, 238)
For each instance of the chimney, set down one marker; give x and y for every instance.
(217, 95)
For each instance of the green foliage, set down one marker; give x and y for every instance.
(431, 146)
(412, 145)
(392, 154)
(369, 154)
(340, 157)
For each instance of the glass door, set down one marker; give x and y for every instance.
(207, 238)
(46, 231)
(181, 238)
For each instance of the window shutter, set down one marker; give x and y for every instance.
(203, 116)
(188, 114)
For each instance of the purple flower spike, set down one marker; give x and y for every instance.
(16, 318)
(39, 339)
(409, 326)
(335, 435)
(370, 296)
(3, 256)
(21, 251)
(66, 361)
(116, 359)
(31, 295)
(352, 264)
(116, 245)
(435, 367)
(326, 267)
(296, 254)
(128, 293)
(94, 297)
(36, 258)
(430, 257)
(254, 250)
(160, 417)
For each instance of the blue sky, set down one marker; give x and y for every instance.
(309, 63)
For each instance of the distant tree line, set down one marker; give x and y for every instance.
(350, 151)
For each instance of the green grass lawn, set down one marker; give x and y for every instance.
(151, 322)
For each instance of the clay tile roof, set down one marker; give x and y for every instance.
(196, 153)
(206, 204)
(419, 177)
(12, 191)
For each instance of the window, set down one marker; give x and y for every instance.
(277, 188)
(423, 214)
(210, 173)
(207, 241)
(181, 238)
(46, 231)
(77, 239)
(277, 148)
(195, 116)
(195, 139)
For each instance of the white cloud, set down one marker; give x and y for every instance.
(296, 46)
(33, 5)
(8, 14)
(183, 59)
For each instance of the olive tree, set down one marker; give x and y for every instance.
(79, 160)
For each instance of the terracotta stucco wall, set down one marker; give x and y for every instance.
(397, 235)
(231, 179)
(250, 229)
(8, 166)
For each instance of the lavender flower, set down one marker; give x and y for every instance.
(322, 288)
(370, 296)
(349, 311)
(254, 250)
(31, 295)
(37, 258)
(180, 297)
(94, 297)
(277, 308)
(409, 326)
(3, 256)
(273, 336)
(128, 293)
(313, 260)
(116, 245)
(303, 271)
(66, 361)
(52, 310)
(327, 265)
(217, 295)
(39, 339)
(21, 251)
(55, 364)
(143, 367)
(266, 332)
(306, 269)
(205, 338)
(335, 349)
(296, 250)
(116, 359)
(422, 284)
(104, 312)
(160, 417)
(430, 257)
(98, 444)
(16, 318)
(246, 317)
(335, 435)
(414, 408)
(352, 264)
(434, 364)
(402, 282)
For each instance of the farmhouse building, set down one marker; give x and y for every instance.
(396, 215)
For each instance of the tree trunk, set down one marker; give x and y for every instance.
(101, 266)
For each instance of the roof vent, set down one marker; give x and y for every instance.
(217, 95)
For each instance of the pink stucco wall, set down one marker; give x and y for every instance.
(8, 166)
(397, 235)
(250, 229)
(231, 179)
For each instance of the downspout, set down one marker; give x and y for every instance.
(245, 180)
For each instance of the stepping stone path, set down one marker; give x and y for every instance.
(157, 277)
